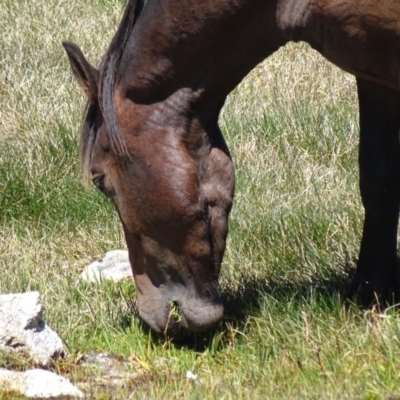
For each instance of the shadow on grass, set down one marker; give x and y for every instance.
(244, 297)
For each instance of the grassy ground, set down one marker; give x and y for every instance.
(294, 231)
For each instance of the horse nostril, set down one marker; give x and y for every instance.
(98, 181)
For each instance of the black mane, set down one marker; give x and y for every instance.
(107, 70)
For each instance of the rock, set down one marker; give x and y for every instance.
(22, 328)
(114, 266)
(108, 370)
(108, 374)
(38, 384)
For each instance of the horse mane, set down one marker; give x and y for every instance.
(107, 72)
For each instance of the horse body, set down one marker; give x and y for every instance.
(360, 37)
(152, 143)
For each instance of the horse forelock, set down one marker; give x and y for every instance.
(107, 72)
(88, 138)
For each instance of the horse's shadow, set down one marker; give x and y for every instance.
(243, 298)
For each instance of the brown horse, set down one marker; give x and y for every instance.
(152, 144)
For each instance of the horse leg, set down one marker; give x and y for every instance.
(379, 159)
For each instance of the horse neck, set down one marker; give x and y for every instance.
(207, 45)
(185, 59)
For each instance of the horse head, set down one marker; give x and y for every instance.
(167, 170)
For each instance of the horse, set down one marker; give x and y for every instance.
(151, 140)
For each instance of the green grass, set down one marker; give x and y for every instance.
(294, 232)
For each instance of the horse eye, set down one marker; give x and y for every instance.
(98, 181)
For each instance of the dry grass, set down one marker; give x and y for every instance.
(294, 233)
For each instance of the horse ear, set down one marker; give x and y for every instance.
(85, 74)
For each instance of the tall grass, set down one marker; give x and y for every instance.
(294, 232)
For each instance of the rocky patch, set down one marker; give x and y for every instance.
(38, 384)
(114, 266)
(22, 328)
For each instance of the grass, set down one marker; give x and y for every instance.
(294, 231)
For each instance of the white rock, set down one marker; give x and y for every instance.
(22, 327)
(114, 266)
(22, 309)
(38, 384)
(191, 375)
